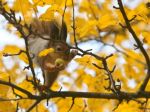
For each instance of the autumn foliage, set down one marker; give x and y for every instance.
(110, 73)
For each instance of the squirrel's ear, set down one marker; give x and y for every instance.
(63, 32)
(58, 31)
(53, 30)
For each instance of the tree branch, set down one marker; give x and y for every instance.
(55, 94)
(73, 94)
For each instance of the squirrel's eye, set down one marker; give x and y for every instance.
(59, 48)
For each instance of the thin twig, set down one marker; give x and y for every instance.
(36, 103)
(73, 101)
(74, 25)
(17, 107)
(62, 22)
(139, 44)
(20, 52)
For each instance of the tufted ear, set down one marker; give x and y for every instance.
(54, 30)
(63, 32)
(58, 30)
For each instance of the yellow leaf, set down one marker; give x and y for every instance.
(25, 7)
(26, 103)
(41, 108)
(88, 29)
(55, 8)
(25, 85)
(141, 12)
(48, 15)
(24, 57)
(84, 6)
(46, 52)
(41, 2)
(69, 2)
(96, 105)
(7, 107)
(129, 107)
(105, 21)
(146, 37)
(3, 75)
(11, 49)
(46, 2)
(85, 60)
(4, 90)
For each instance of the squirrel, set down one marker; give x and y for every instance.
(50, 34)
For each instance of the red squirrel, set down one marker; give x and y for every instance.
(50, 34)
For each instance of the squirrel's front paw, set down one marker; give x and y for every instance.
(73, 53)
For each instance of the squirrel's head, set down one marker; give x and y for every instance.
(55, 34)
